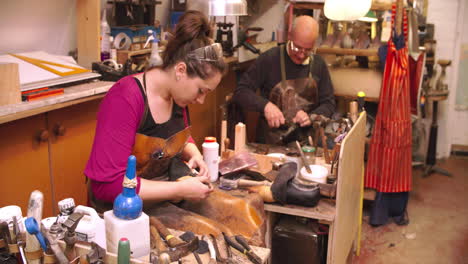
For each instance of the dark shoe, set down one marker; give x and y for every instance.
(402, 220)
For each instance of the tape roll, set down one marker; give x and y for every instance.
(122, 41)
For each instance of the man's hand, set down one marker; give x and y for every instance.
(195, 188)
(302, 118)
(197, 161)
(273, 115)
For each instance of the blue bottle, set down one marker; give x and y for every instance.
(128, 205)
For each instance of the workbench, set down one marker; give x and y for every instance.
(343, 215)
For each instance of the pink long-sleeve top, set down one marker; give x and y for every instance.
(118, 120)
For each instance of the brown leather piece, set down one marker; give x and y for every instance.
(220, 212)
(242, 216)
(13, 248)
(49, 259)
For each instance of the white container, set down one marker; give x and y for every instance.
(136, 231)
(211, 157)
(91, 227)
(7, 213)
(319, 174)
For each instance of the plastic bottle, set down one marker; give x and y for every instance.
(211, 157)
(127, 219)
(155, 59)
(105, 37)
(8, 212)
(113, 50)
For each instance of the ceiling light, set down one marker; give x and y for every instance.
(346, 10)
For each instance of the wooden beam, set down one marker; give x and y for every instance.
(88, 31)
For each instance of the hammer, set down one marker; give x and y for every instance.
(234, 184)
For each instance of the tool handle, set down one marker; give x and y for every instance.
(243, 242)
(171, 240)
(304, 160)
(123, 252)
(249, 183)
(234, 244)
(156, 238)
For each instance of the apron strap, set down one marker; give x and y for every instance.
(283, 67)
(144, 93)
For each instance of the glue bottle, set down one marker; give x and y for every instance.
(127, 219)
(211, 157)
(155, 59)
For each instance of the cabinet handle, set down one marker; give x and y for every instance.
(59, 130)
(42, 135)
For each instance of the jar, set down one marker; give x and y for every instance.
(309, 153)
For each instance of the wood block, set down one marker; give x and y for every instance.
(10, 92)
(239, 141)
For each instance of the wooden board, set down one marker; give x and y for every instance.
(366, 80)
(9, 84)
(350, 184)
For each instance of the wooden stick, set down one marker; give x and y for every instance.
(36, 202)
(353, 111)
(223, 135)
(324, 145)
(239, 141)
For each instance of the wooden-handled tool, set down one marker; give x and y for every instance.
(33, 249)
(171, 240)
(304, 160)
(234, 184)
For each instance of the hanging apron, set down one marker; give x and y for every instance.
(389, 160)
(290, 96)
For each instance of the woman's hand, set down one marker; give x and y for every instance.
(195, 188)
(197, 161)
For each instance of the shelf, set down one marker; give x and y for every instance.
(340, 51)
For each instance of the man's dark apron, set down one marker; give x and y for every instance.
(290, 96)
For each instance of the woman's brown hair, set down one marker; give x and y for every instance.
(192, 32)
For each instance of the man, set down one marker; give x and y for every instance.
(294, 83)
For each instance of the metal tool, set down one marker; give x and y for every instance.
(228, 184)
(70, 236)
(304, 160)
(96, 255)
(243, 248)
(53, 235)
(178, 248)
(212, 250)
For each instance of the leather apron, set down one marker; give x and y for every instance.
(291, 96)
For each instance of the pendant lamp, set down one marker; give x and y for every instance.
(346, 10)
(227, 7)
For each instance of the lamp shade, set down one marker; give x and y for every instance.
(227, 8)
(369, 17)
(346, 10)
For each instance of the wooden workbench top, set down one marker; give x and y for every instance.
(72, 95)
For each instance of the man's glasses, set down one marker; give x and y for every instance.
(295, 48)
(212, 52)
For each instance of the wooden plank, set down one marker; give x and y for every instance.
(350, 181)
(341, 51)
(9, 84)
(349, 81)
(88, 31)
(325, 210)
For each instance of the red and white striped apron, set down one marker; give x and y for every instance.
(389, 161)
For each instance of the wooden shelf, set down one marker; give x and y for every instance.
(340, 51)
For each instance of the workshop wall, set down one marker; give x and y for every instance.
(28, 25)
(448, 17)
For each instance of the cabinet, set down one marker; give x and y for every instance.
(47, 152)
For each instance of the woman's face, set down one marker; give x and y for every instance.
(194, 90)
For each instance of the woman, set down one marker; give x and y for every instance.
(154, 104)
